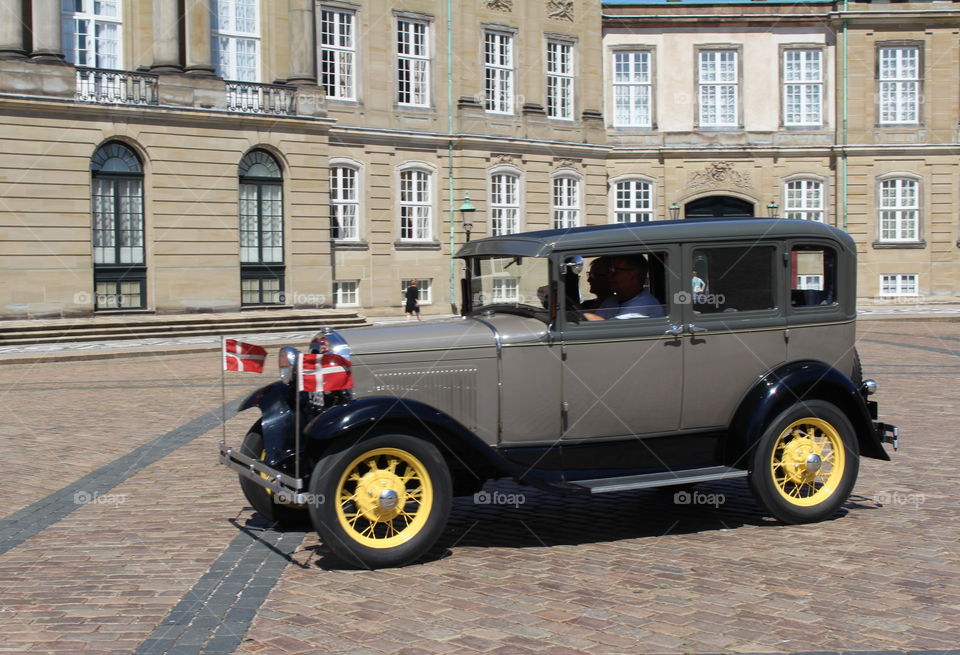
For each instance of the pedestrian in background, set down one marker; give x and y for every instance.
(412, 296)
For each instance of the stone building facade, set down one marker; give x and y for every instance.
(199, 155)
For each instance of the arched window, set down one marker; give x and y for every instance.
(261, 229)
(117, 206)
(565, 202)
(634, 201)
(804, 199)
(899, 206)
(344, 203)
(504, 203)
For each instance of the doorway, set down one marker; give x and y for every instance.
(718, 207)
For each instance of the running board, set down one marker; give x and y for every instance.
(663, 479)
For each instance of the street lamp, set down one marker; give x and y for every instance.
(772, 208)
(674, 210)
(466, 213)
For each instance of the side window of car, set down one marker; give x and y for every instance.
(813, 276)
(628, 285)
(733, 279)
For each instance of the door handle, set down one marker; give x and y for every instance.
(694, 329)
(674, 330)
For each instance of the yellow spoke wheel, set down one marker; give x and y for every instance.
(807, 461)
(384, 498)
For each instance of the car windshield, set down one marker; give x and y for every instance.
(517, 284)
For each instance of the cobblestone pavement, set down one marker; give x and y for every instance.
(119, 533)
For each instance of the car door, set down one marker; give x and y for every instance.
(734, 330)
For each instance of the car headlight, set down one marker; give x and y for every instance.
(288, 363)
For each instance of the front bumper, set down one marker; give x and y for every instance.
(286, 489)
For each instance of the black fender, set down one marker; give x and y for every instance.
(454, 440)
(277, 424)
(792, 383)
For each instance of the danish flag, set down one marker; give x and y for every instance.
(245, 357)
(324, 372)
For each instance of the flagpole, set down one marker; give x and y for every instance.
(223, 393)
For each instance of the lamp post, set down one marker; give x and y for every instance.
(772, 208)
(674, 210)
(466, 213)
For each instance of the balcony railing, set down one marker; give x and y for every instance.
(116, 87)
(252, 98)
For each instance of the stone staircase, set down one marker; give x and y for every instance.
(143, 326)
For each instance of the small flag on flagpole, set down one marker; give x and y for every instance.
(244, 357)
(324, 372)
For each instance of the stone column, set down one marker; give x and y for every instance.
(197, 35)
(45, 29)
(303, 55)
(166, 37)
(11, 30)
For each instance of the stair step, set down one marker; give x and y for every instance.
(663, 479)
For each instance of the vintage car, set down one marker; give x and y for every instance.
(733, 356)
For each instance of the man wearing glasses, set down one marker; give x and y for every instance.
(628, 276)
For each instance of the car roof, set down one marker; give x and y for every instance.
(541, 243)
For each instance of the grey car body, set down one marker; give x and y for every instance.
(761, 359)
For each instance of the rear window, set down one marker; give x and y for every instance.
(813, 276)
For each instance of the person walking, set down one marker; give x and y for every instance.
(412, 296)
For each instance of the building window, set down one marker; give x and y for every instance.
(718, 92)
(560, 80)
(261, 230)
(899, 210)
(802, 87)
(118, 228)
(92, 32)
(416, 209)
(346, 293)
(506, 290)
(424, 289)
(338, 53)
(632, 89)
(236, 40)
(804, 199)
(504, 204)
(634, 201)
(899, 82)
(898, 285)
(498, 72)
(344, 203)
(565, 202)
(413, 63)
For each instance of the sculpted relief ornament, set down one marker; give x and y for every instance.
(719, 174)
(560, 9)
(501, 5)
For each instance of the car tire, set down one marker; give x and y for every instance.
(382, 501)
(288, 516)
(806, 462)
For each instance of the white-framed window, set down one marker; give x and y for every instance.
(416, 206)
(424, 287)
(633, 201)
(899, 78)
(899, 285)
(565, 202)
(810, 282)
(633, 89)
(498, 72)
(346, 293)
(899, 210)
(504, 204)
(413, 62)
(92, 33)
(344, 203)
(506, 290)
(560, 80)
(236, 39)
(718, 88)
(338, 53)
(804, 199)
(802, 87)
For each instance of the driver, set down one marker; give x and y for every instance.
(628, 276)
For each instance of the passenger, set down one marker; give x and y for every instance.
(628, 275)
(598, 277)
